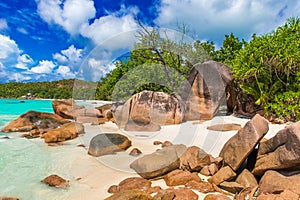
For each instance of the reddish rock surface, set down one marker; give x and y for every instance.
(285, 195)
(8, 198)
(247, 179)
(185, 194)
(194, 159)
(224, 174)
(180, 177)
(133, 126)
(35, 120)
(130, 194)
(225, 127)
(232, 187)
(274, 182)
(216, 197)
(280, 152)
(56, 181)
(65, 108)
(237, 148)
(131, 184)
(203, 187)
(65, 132)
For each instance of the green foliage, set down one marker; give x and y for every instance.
(268, 67)
(286, 106)
(228, 51)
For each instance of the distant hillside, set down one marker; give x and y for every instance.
(61, 89)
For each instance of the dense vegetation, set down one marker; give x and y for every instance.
(267, 68)
(62, 89)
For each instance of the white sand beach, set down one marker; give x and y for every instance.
(90, 177)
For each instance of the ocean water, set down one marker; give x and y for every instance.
(23, 163)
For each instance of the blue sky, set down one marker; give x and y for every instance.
(45, 40)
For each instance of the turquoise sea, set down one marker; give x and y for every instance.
(23, 163)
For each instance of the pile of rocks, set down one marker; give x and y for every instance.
(248, 167)
(68, 109)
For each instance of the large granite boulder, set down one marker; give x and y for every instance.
(204, 91)
(65, 108)
(238, 147)
(149, 107)
(274, 182)
(35, 120)
(63, 133)
(160, 162)
(108, 143)
(280, 152)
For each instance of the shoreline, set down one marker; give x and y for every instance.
(91, 177)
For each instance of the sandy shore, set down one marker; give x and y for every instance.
(90, 177)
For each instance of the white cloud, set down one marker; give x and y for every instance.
(23, 31)
(8, 48)
(71, 55)
(24, 61)
(112, 25)
(3, 24)
(69, 14)
(65, 72)
(44, 67)
(212, 19)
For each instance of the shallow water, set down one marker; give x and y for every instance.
(23, 163)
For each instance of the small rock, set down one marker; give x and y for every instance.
(157, 143)
(179, 177)
(80, 145)
(213, 168)
(56, 181)
(8, 198)
(109, 143)
(203, 187)
(194, 159)
(185, 194)
(232, 187)
(247, 179)
(113, 189)
(205, 171)
(166, 143)
(216, 197)
(135, 152)
(224, 174)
